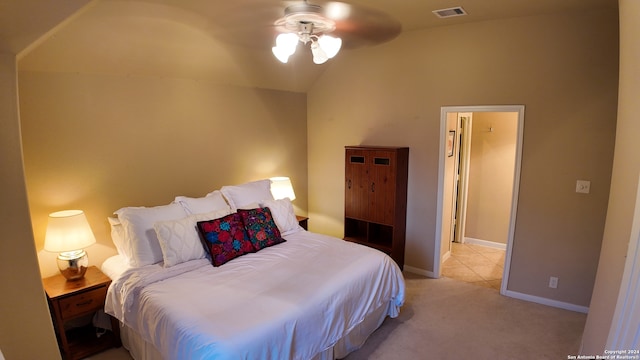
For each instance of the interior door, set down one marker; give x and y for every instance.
(356, 184)
(464, 159)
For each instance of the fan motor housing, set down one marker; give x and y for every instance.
(305, 18)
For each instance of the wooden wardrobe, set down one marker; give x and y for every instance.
(375, 211)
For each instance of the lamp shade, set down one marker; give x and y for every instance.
(68, 230)
(281, 188)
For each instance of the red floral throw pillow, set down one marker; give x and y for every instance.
(225, 238)
(261, 228)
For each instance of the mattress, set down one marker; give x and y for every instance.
(294, 300)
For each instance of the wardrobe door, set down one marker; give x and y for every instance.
(382, 186)
(356, 184)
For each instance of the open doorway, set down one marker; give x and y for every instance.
(479, 176)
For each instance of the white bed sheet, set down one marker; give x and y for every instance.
(114, 266)
(290, 301)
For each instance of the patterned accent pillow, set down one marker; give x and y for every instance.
(261, 228)
(225, 238)
(283, 215)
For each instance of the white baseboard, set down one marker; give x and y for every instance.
(548, 302)
(487, 243)
(446, 256)
(515, 294)
(418, 271)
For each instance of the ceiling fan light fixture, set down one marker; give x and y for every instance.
(287, 41)
(285, 46)
(281, 54)
(330, 45)
(305, 23)
(319, 56)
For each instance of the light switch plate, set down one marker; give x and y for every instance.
(583, 186)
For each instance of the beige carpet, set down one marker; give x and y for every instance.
(450, 319)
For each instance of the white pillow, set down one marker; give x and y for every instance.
(179, 239)
(212, 202)
(117, 236)
(239, 196)
(283, 215)
(249, 206)
(141, 241)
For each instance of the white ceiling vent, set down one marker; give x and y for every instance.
(454, 11)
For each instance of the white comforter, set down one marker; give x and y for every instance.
(290, 301)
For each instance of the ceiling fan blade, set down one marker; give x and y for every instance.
(251, 23)
(356, 25)
(364, 26)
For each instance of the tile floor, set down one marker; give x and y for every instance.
(475, 264)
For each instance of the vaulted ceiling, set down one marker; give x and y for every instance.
(223, 41)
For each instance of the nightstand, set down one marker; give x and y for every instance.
(69, 300)
(303, 221)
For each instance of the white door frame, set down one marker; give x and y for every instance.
(624, 333)
(516, 181)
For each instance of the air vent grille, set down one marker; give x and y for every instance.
(450, 12)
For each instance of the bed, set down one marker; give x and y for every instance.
(308, 296)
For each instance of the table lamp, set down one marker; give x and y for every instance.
(68, 233)
(281, 188)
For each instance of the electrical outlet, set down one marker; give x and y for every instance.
(553, 282)
(583, 186)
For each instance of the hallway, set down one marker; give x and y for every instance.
(475, 264)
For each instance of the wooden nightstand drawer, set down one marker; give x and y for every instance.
(84, 303)
(72, 299)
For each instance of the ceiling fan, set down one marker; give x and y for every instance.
(328, 27)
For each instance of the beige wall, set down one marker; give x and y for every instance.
(563, 68)
(152, 38)
(23, 307)
(624, 186)
(491, 172)
(101, 142)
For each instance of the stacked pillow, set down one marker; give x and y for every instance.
(247, 195)
(179, 239)
(229, 222)
(140, 242)
(213, 201)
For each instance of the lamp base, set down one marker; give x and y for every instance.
(73, 264)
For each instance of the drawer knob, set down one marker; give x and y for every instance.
(84, 303)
